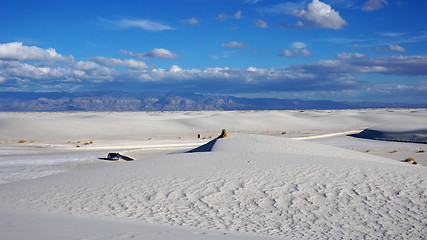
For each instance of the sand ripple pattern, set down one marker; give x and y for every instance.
(292, 195)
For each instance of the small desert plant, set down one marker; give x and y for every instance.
(179, 137)
(410, 160)
(283, 133)
(368, 150)
(204, 137)
(77, 146)
(394, 151)
(210, 136)
(422, 151)
(22, 141)
(149, 138)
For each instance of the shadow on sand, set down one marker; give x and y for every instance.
(205, 147)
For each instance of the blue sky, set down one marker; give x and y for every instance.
(362, 50)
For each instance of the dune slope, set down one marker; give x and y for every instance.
(257, 184)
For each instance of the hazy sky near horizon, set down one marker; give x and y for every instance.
(357, 50)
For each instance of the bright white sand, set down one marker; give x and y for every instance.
(250, 186)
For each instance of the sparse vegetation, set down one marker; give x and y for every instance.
(283, 133)
(410, 160)
(422, 151)
(149, 138)
(22, 141)
(394, 151)
(77, 146)
(368, 150)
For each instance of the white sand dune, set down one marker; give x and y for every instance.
(253, 184)
(250, 186)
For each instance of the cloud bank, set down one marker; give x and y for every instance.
(343, 73)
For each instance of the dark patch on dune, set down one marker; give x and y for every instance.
(413, 136)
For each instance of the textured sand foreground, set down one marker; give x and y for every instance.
(250, 186)
(269, 186)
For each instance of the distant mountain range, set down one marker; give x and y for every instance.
(137, 101)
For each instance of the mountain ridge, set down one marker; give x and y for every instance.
(148, 101)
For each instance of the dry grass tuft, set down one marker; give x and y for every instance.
(368, 150)
(411, 160)
(77, 146)
(22, 141)
(394, 151)
(283, 133)
(422, 151)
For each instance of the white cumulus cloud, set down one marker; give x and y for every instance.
(396, 48)
(16, 51)
(322, 14)
(298, 45)
(155, 53)
(299, 49)
(259, 23)
(130, 63)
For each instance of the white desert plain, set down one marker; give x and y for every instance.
(277, 175)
